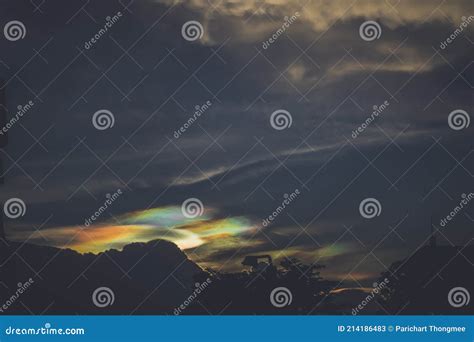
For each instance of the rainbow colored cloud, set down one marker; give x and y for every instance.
(166, 223)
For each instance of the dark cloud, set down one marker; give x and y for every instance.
(320, 70)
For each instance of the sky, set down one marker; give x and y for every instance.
(258, 110)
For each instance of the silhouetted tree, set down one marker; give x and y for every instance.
(249, 291)
(423, 283)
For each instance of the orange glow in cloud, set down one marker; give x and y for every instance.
(141, 226)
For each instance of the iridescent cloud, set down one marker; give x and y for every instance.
(166, 223)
